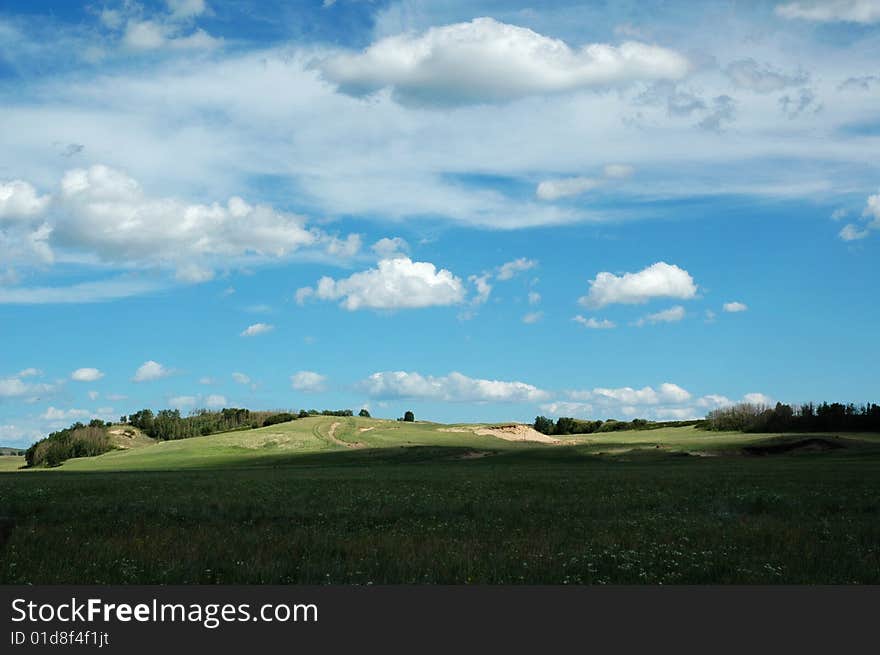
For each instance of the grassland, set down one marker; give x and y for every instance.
(343, 500)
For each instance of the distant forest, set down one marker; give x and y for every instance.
(566, 425)
(796, 418)
(744, 417)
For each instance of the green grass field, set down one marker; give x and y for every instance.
(345, 500)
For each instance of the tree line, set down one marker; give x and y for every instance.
(810, 417)
(567, 425)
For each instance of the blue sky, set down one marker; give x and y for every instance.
(479, 211)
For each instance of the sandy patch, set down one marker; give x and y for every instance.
(509, 432)
(372, 427)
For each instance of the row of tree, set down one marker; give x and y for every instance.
(168, 424)
(810, 417)
(568, 425)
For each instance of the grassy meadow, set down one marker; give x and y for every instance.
(367, 501)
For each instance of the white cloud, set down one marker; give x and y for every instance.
(86, 375)
(454, 387)
(850, 11)
(575, 186)
(509, 269)
(660, 280)
(344, 248)
(735, 306)
(183, 9)
(671, 315)
(55, 414)
(387, 248)
(30, 373)
(484, 289)
(109, 214)
(852, 232)
(748, 74)
(398, 283)
(534, 297)
(206, 380)
(532, 317)
(182, 401)
(666, 393)
(593, 323)
(149, 371)
(14, 386)
(713, 401)
(308, 381)
(19, 200)
(566, 188)
(215, 400)
(667, 401)
(241, 378)
(83, 292)
(758, 399)
(487, 61)
(618, 171)
(93, 395)
(257, 329)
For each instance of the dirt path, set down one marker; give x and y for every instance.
(331, 435)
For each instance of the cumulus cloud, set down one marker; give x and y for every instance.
(86, 375)
(487, 61)
(735, 306)
(20, 200)
(182, 401)
(534, 297)
(256, 329)
(103, 215)
(594, 323)
(387, 248)
(15, 386)
(108, 213)
(758, 399)
(454, 387)
(668, 400)
(826, 11)
(149, 371)
(397, 283)
(666, 393)
(660, 280)
(671, 315)
(532, 317)
(749, 74)
(575, 186)
(308, 381)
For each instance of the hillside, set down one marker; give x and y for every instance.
(380, 439)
